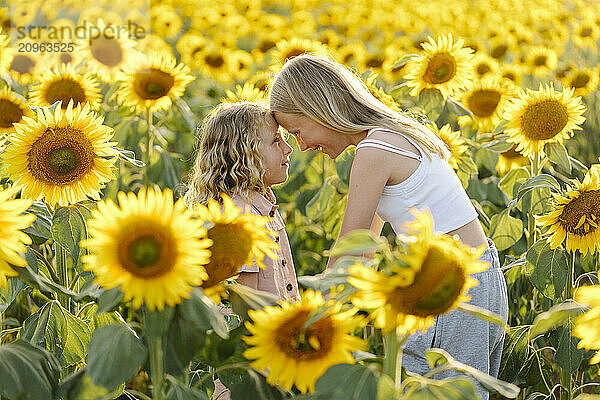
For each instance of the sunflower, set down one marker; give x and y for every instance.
(512, 72)
(12, 110)
(288, 49)
(453, 141)
(486, 98)
(63, 157)
(245, 93)
(586, 33)
(431, 279)
(152, 82)
(541, 61)
(215, 62)
(543, 116)
(586, 325)
(484, 65)
(154, 44)
(380, 94)
(583, 80)
(298, 355)
(64, 84)
(238, 239)
(241, 62)
(576, 215)
(165, 21)
(510, 159)
(105, 54)
(12, 240)
(153, 249)
(23, 67)
(190, 46)
(445, 66)
(353, 53)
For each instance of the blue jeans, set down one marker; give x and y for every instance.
(470, 340)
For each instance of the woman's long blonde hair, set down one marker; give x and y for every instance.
(330, 94)
(228, 156)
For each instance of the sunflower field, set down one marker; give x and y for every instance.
(111, 288)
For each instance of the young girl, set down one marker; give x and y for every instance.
(398, 164)
(243, 154)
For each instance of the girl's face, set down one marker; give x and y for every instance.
(275, 152)
(312, 135)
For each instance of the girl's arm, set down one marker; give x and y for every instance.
(369, 174)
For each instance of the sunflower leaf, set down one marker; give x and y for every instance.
(557, 153)
(505, 230)
(201, 311)
(457, 108)
(357, 243)
(244, 298)
(555, 317)
(547, 269)
(129, 156)
(27, 372)
(347, 382)
(542, 180)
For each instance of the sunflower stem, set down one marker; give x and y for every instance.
(62, 274)
(535, 171)
(392, 362)
(147, 154)
(156, 367)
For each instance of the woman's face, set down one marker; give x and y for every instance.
(275, 152)
(312, 135)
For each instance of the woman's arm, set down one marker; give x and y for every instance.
(368, 176)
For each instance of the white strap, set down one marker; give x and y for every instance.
(411, 140)
(379, 144)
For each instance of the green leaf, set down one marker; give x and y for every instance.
(547, 269)
(184, 341)
(484, 314)
(252, 385)
(201, 311)
(432, 102)
(57, 330)
(487, 158)
(347, 382)
(109, 300)
(498, 144)
(542, 180)
(115, 354)
(79, 386)
(512, 177)
(343, 165)
(10, 292)
(27, 372)
(178, 391)
(467, 165)
(68, 229)
(320, 203)
(244, 298)
(457, 108)
(556, 316)
(489, 382)
(156, 323)
(357, 243)
(457, 388)
(505, 230)
(500, 127)
(404, 60)
(557, 154)
(386, 389)
(567, 355)
(334, 276)
(515, 351)
(129, 156)
(43, 220)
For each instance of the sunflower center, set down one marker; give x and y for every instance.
(266, 45)
(312, 343)
(483, 69)
(293, 53)
(231, 248)
(510, 75)
(64, 90)
(152, 83)
(65, 58)
(544, 120)
(9, 113)
(483, 102)
(147, 249)
(375, 62)
(22, 64)
(499, 51)
(512, 153)
(441, 68)
(214, 60)
(61, 156)
(580, 216)
(586, 32)
(540, 60)
(435, 288)
(107, 51)
(580, 80)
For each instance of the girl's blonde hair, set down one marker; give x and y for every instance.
(330, 94)
(228, 157)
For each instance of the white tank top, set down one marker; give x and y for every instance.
(434, 186)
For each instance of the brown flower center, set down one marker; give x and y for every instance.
(482, 69)
(295, 52)
(152, 83)
(107, 51)
(580, 216)
(231, 247)
(484, 102)
(540, 60)
(435, 288)
(65, 89)
(580, 80)
(9, 113)
(61, 156)
(312, 343)
(146, 249)
(214, 60)
(22, 64)
(441, 68)
(499, 51)
(544, 120)
(586, 32)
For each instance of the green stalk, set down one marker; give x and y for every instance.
(156, 368)
(392, 362)
(535, 171)
(148, 149)
(62, 274)
(565, 376)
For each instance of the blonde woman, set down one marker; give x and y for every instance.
(398, 164)
(242, 153)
